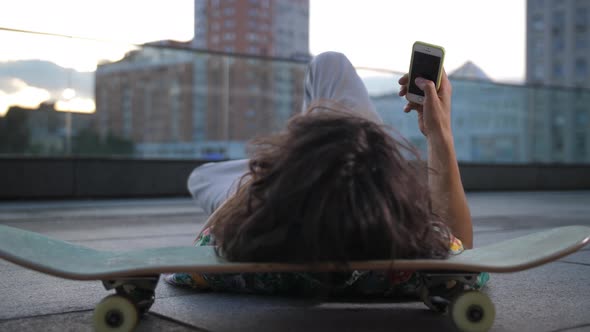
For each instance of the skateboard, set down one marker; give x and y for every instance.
(134, 275)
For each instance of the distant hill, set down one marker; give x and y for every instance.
(470, 71)
(378, 85)
(46, 75)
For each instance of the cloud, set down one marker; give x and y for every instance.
(78, 105)
(16, 92)
(49, 76)
(10, 84)
(28, 83)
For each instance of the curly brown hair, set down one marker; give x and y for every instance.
(331, 187)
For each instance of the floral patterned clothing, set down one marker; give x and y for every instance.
(355, 283)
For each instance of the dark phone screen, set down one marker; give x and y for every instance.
(425, 66)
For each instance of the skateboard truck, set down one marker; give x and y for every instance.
(121, 311)
(451, 292)
(141, 291)
(439, 288)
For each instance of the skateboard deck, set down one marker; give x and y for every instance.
(62, 259)
(135, 274)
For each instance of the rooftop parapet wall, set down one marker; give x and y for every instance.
(84, 178)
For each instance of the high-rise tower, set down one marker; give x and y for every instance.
(278, 28)
(558, 43)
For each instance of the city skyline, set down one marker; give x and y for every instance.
(371, 35)
(171, 102)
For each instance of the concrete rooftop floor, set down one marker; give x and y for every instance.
(554, 297)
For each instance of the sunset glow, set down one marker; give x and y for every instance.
(372, 33)
(25, 96)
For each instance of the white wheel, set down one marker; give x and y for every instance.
(115, 314)
(473, 311)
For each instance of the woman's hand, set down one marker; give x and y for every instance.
(446, 189)
(434, 116)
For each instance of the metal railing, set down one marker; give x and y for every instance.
(166, 100)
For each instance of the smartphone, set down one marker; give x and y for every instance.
(427, 62)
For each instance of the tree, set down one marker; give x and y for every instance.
(89, 143)
(14, 131)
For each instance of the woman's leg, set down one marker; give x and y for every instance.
(211, 184)
(332, 82)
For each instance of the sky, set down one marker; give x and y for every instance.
(372, 33)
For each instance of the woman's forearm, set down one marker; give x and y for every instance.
(444, 180)
(448, 196)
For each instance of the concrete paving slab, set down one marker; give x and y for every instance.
(60, 205)
(546, 298)
(143, 230)
(581, 257)
(96, 208)
(573, 204)
(117, 231)
(581, 328)
(79, 322)
(26, 293)
(258, 313)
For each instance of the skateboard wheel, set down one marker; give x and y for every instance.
(473, 311)
(115, 313)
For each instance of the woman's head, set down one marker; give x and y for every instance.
(330, 187)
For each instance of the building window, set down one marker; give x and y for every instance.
(581, 117)
(229, 24)
(263, 26)
(581, 41)
(581, 69)
(537, 23)
(228, 49)
(581, 27)
(538, 72)
(174, 102)
(127, 112)
(103, 113)
(581, 17)
(253, 102)
(229, 36)
(557, 69)
(251, 37)
(580, 146)
(228, 11)
(558, 22)
(558, 44)
(147, 112)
